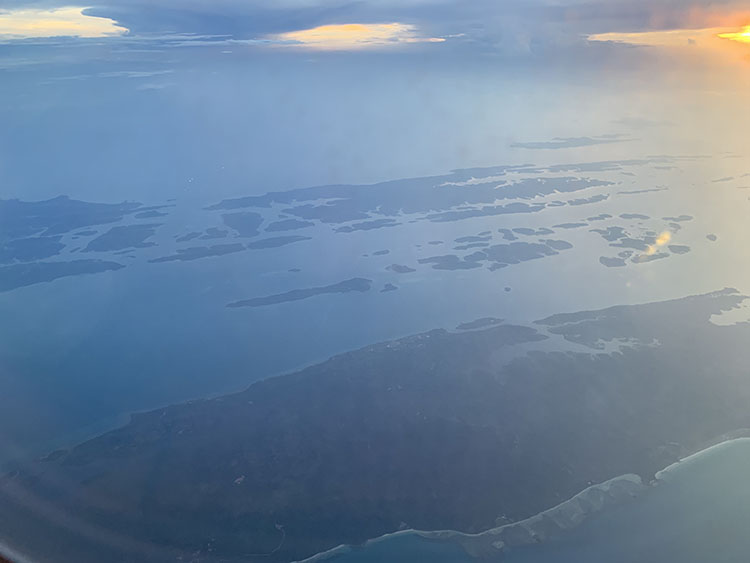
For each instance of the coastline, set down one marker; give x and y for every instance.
(496, 494)
(665, 474)
(566, 515)
(539, 527)
(121, 420)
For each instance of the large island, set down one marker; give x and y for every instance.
(462, 430)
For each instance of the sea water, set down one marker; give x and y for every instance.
(697, 511)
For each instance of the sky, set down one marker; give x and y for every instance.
(116, 99)
(491, 25)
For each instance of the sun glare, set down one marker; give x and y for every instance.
(741, 36)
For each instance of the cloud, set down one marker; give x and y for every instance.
(346, 37)
(665, 38)
(552, 32)
(55, 22)
(714, 44)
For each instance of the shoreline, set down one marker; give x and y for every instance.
(564, 516)
(121, 420)
(665, 474)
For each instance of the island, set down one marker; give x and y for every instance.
(465, 432)
(354, 284)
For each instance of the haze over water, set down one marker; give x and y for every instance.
(518, 161)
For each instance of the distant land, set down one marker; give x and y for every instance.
(33, 232)
(354, 284)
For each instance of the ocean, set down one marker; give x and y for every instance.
(697, 512)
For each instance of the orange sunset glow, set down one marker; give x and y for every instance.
(740, 36)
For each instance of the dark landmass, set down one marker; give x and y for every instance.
(679, 249)
(634, 216)
(533, 232)
(275, 242)
(611, 234)
(381, 252)
(480, 323)
(120, 238)
(635, 244)
(388, 287)
(507, 234)
(451, 262)
(213, 233)
(367, 225)
(30, 249)
(487, 211)
(586, 200)
(288, 225)
(400, 269)
(570, 142)
(712, 237)
(354, 284)
(481, 238)
(618, 237)
(197, 252)
(600, 217)
(343, 203)
(85, 233)
(557, 244)
(188, 237)
(643, 258)
(20, 219)
(429, 432)
(245, 223)
(635, 192)
(605, 165)
(678, 219)
(613, 262)
(435, 242)
(517, 252)
(330, 212)
(472, 245)
(441, 198)
(22, 275)
(153, 208)
(295, 270)
(498, 256)
(570, 225)
(150, 214)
